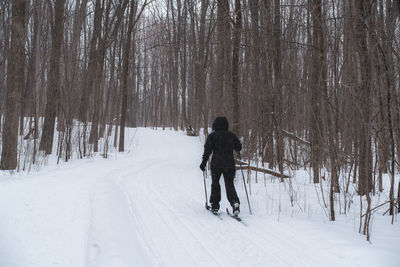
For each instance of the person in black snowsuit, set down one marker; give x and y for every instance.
(221, 143)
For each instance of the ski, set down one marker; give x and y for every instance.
(215, 214)
(237, 218)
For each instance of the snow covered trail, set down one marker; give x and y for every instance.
(146, 208)
(164, 187)
(165, 181)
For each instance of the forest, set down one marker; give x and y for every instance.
(304, 83)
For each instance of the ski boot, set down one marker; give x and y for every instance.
(214, 209)
(236, 209)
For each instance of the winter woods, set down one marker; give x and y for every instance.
(306, 83)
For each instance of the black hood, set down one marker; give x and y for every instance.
(220, 124)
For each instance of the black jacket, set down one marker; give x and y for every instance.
(221, 143)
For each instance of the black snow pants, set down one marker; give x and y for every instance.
(229, 176)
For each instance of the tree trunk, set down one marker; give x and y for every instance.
(30, 83)
(237, 31)
(46, 143)
(183, 59)
(222, 38)
(15, 83)
(124, 82)
(363, 90)
(91, 68)
(316, 75)
(278, 101)
(267, 55)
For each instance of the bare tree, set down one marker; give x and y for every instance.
(46, 143)
(15, 83)
(133, 18)
(237, 29)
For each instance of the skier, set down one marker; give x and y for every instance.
(221, 143)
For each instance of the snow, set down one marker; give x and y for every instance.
(145, 207)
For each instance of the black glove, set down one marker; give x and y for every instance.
(203, 166)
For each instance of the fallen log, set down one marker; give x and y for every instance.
(240, 165)
(296, 138)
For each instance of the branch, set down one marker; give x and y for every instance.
(146, 3)
(380, 205)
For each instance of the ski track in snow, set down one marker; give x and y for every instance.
(146, 208)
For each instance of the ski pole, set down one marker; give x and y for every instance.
(205, 188)
(245, 188)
